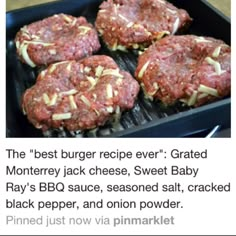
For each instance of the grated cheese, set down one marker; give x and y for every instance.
(53, 100)
(122, 17)
(92, 81)
(62, 116)
(202, 95)
(70, 92)
(33, 36)
(155, 85)
(171, 11)
(216, 52)
(119, 81)
(25, 30)
(110, 109)
(95, 96)
(118, 111)
(98, 71)
(46, 99)
(97, 112)
(54, 66)
(43, 73)
(210, 91)
(121, 48)
(176, 25)
(17, 44)
(146, 95)
(24, 112)
(192, 100)
(114, 46)
(116, 6)
(67, 19)
(52, 51)
(85, 101)
(87, 69)
(135, 46)
(216, 65)
(109, 91)
(74, 22)
(130, 24)
(114, 72)
(101, 32)
(72, 102)
(26, 57)
(38, 43)
(143, 69)
(68, 68)
(84, 29)
(162, 34)
(202, 40)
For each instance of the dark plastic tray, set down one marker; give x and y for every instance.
(147, 119)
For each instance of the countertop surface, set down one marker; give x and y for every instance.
(222, 5)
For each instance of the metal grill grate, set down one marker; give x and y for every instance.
(146, 118)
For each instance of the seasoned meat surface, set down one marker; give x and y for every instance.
(79, 95)
(57, 38)
(195, 70)
(131, 24)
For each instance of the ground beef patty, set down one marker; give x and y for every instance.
(193, 69)
(132, 23)
(79, 95)
(57, 38)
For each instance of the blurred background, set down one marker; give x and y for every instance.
(222, 5)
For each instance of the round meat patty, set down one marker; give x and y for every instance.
(56, 38)
(137, 23)
(195, 70)
(79, 95)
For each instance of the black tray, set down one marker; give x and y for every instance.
(147, 119)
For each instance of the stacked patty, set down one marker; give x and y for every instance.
(195, 70)
(57, 38)
(134, 23)
(79, 95)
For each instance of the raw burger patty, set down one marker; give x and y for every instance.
(57, 38)
(79, 95)
(192, 69)
(131, 23)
